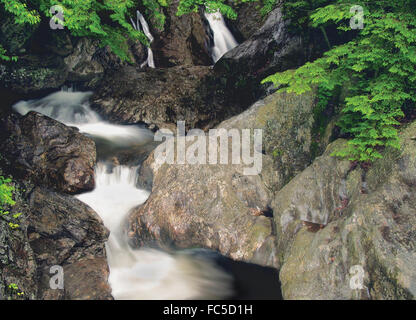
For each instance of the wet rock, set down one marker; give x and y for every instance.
(209, 206)
(289, 140)
(161, 96)
(33, 73)
(14, 37)
(249, 20)
(81, 64)
(183, 40)
(65, 232)
(271, 49)
(372, 232)
(49, 153)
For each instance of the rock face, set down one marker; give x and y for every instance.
(49, 153)
(183, 41)
(65, 232)
(88, 62)
(14, 38)
(53, 230)
(33, 73)
(209, 206)
(48, 60)
(17, 260)
(217, 206)
(271, 49)
(44, 228)
(368, 224)
(82, 64)
(289, 138)
(160, 96)
(249, 20)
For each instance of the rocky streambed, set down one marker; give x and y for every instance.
(94, 200)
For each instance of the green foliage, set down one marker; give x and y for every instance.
(5, 57)
(377, 66)
(188, 6)
(107, 20)
(154, 10)
(13, 289)
(320, 119)
(6, 200)
(21, 12)
(6, 192)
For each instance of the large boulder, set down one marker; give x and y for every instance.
(183, 40)
(45, 230)
(49, 153)
(249, 20)
(270, 49)
(207, 206)
(290, 136)
(67, 233)
(160, 96)
(33, 73)
(345, 233)
(218, 206)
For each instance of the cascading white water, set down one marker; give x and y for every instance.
(224, 41)
(146, 273)
(73, 109)
(141, 21)
(134, 274)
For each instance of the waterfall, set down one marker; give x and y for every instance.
(73, 109)
(223, 39)
(146, 273)
(141, 21)
(134, 273)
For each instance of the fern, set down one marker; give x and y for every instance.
(378, 66)
(106, 20)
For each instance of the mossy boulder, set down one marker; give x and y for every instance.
(335, 218)
(205, 206)
(49, 153)
(14, 37)
(289, 140)
(33, 74)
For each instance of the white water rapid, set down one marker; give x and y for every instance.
(223, 39)
(146, 273)
(73, 109)
(141, 273)
(141, 21)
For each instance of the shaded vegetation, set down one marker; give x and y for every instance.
(377, 66)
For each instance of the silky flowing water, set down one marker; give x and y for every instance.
(148, 273)
(224, 40)
(134, 273)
